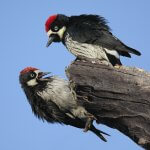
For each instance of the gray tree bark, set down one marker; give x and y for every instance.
(119, 98)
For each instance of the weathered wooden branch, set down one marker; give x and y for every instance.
(119, 98)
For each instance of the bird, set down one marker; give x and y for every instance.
(53, 100)
(87, 37)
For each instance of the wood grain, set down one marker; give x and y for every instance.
(119, 98)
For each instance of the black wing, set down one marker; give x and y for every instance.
(62, 118)
(95, 31)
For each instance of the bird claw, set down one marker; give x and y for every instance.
(86, 98)
(117, 66)
(89, 122)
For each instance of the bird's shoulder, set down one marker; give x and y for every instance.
(89, 21)
(86, 28)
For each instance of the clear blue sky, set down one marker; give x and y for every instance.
(22, 44)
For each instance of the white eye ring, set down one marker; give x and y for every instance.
(56, 28)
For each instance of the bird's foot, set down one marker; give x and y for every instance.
(89, 122)
(85, 59)
(117, 66)
(86, 99)
(93, 60)
(105, 62)
(81, 58)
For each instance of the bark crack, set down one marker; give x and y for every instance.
(119, 98)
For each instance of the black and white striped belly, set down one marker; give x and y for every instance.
(88, 50)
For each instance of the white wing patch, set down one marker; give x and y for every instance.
(113, 52)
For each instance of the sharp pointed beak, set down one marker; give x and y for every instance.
(50, 40)
(42, 74)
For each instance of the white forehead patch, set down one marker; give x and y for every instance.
(33, 82)
(60, 32)
(37, 72)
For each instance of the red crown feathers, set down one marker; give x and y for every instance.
(27, 69)
(49, 21)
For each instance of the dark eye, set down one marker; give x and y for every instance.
(32, 75)
(56, 28)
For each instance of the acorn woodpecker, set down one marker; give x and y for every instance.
(87, 36)
(52, 99)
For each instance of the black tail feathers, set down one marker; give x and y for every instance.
(99, 133)
(133, 51)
